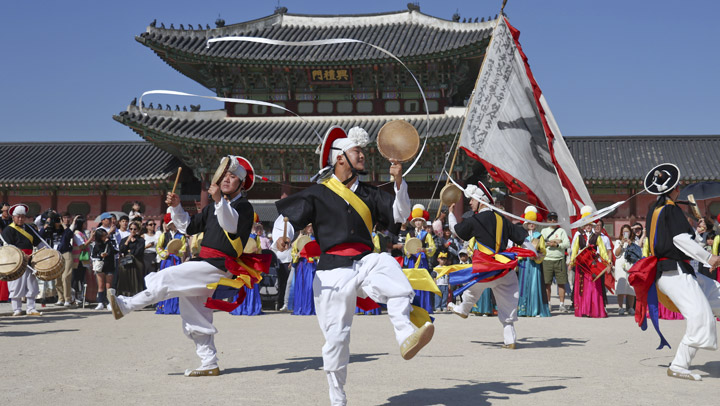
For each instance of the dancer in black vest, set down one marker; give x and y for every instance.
(343, 211)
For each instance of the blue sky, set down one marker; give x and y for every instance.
(642, 67)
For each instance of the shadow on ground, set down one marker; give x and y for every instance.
(538, 342)
(470, 393)
(712, 368)
(300, 364)
(48, 318)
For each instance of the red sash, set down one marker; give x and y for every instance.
(258, 262)
(350, 249)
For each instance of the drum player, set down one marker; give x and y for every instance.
(342, 211)
(21, 236)
(226, 225)
(483, 225)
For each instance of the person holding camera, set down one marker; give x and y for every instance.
(624, 253)
(103, 259)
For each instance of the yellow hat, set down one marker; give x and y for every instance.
(585, 211)
(531, 213)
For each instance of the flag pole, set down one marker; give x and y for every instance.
(472, 96)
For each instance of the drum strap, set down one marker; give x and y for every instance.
(23, 232)
(350, 197)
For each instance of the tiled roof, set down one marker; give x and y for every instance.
(268, 132)
(83, 163)
(631, 157)
(407, 34)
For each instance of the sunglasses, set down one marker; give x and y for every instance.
(151, 224)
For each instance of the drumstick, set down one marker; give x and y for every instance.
(44, 259)
(601, 273)
(176, 179)
(285, 220)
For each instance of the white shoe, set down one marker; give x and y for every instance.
(417, 341)
(100, 306)
(33, 312)
(17, 313)
(59, 303)
(114, 306)
(621, 312)
(454, 308)
(284, 309)
(563, 309)
(682, 373)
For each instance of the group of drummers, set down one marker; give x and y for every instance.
(55, 250)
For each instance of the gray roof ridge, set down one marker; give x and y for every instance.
(331, 20)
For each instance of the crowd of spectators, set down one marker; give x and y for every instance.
(118, 252)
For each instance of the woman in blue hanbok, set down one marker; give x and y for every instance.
(532, 302)
(418, 218)
(305, 253)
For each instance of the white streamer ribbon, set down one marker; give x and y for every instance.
(224, 99)
(341, 41)
(565, 224)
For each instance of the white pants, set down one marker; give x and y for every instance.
(378, 276)
(506, 294)
(188, 282)
(25, 286)
(698, 299)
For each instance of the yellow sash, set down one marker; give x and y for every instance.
(350, 197)
(498, 231)
(662, 297)
(498, 239)
(23, 232)
(653, 226)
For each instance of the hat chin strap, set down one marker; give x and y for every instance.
(353, 171)
(227, 195)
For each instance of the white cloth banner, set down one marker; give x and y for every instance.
(504, 128)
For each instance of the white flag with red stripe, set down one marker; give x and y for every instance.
(509, 128)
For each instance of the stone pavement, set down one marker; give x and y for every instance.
(85, 357)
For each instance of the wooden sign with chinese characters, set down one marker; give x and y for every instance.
(341, 75)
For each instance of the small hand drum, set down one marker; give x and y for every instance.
(221, 171)
(250, 247)
(174, 246)
(413, 245)
(398, 140)
(450, 194)
(302, 241)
